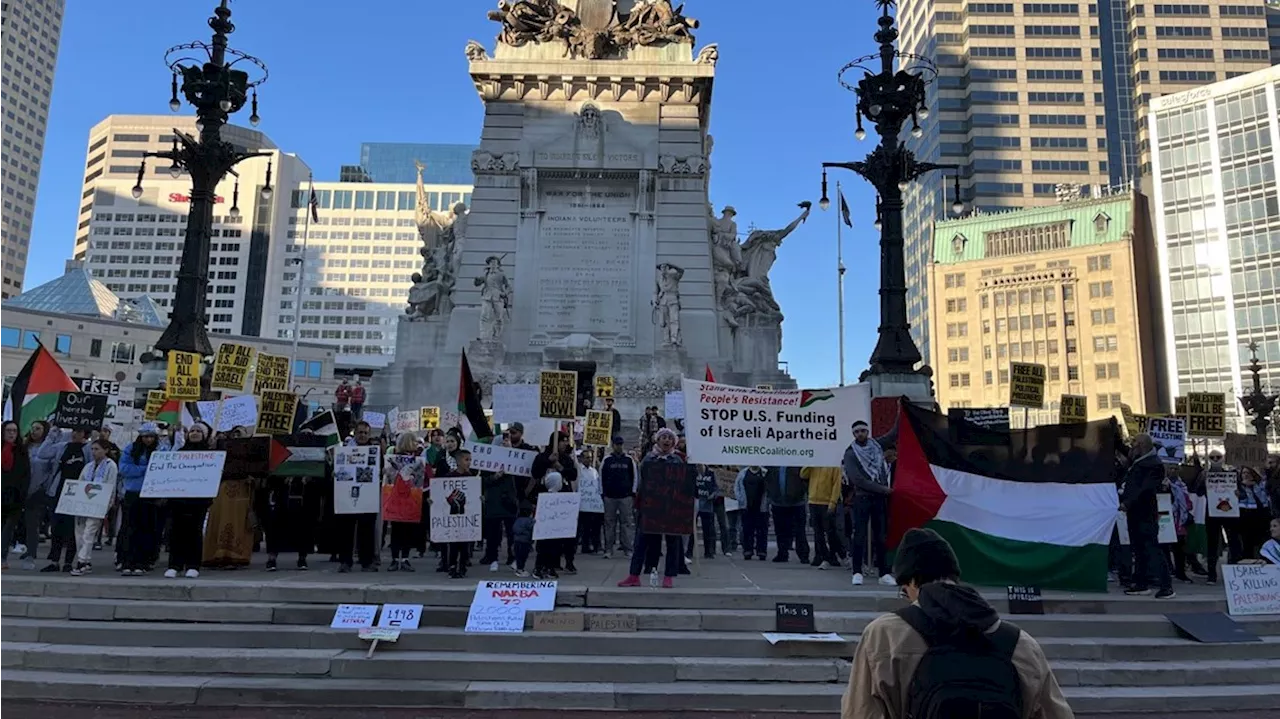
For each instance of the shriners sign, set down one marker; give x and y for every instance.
(179, 197)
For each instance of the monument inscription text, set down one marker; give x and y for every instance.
(585, 259)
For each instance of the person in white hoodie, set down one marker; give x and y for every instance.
(102, 470)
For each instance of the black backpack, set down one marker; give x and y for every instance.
(964, 678)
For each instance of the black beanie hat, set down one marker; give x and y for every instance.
(924, 556)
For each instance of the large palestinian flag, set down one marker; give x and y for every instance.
(475, 425)
(35, 389)
(1027, 507)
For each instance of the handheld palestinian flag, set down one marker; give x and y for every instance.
(475, 425)
(35, 389)
(709, 377)
(322, 425)
(171, 412)
(1036, 510)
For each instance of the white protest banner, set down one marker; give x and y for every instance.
(674, 405)
(183, 474)
(1168, 533)
(592, 493)
(455, 509)
(357, 479)
(85, 499)
(536, 596)
(235, 412)
(493, 458)
(519, 403)
(376, 420)
(557, 516)
(400, 616)
(727, 425)
(1220, 491)
(1169, 434)
(353, 616)
(1252, 589)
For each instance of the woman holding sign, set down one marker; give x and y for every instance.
(100, 470)
(138, 539)
(186, 533)
(405, 472)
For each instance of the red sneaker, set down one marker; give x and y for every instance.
(667, 583)
(631, 581)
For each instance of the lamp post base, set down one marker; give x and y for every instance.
(914, 386)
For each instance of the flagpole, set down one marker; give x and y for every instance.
(302, 272)
(840, 278)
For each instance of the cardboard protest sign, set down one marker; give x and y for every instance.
(155, 403)
(667, 498)
(1168, 530)
(278, 412)
(429, 418)
(559, 621)
(182, 379)
(1073, 408)
(1170, 438)
(558, 394)
(494, 458)
(592, 493)
(519, 403)
(455, 509)
(794, 617)
(401, 502)
(272, 373)
(223, 415)
(535, 595)
(183, 475)
(812, 427)
(982, 426)
(357, 477)
(604, 387)
(77, 410)
(449, 418)
(1025, 600)
(353, 616)
(611, 622)
(247, 456)
(598, 429)
(1252, 589)
(1220, 491)
(673, 405)
(376, 420)
(557, 516)
(727, 481)
(400, 616)
(1206, 414)
(85, 499)
(1026, 385)
(1246, 450)
(1130, 420)
(231, 365)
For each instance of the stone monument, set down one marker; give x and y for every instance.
(589, 245)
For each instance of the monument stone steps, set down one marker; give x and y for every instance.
(720, 620)
(301, 691)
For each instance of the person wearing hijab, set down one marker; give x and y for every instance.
(186, 514)
(44, 448)
(138, 530)
(16, 473)
(554, 470)
(405, 465)
(100, 469)
(648, 546)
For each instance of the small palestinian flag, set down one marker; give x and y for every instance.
(709, 377)
(812, 396)
(1035, 508)
(322, 425)
(171, 413)
(35, 389)
(475, 425)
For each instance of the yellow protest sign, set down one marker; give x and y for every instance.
(599, 428)
(604, 387)
(1180, 407)
(1130, 420)
(557, 394)
(1073, 408)
(155, 403)
(277, 412)
(182, 380)
(1026, 385)
(429, 418)
(272, 374)
(1206, 414)
(231, 366)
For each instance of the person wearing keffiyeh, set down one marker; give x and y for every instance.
(866, 470)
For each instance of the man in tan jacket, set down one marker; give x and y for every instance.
(884, 682)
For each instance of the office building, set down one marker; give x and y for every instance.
(1030, 96)
(1217, 217)
(30, 31)
(444, 164)
(1068, 286)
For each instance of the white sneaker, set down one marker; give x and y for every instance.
(493, 567)
(18, 549)
(728, 555)
(824, 565)
(888, 580)
(193, 574)
(857, 579)
(606, 555)
(521, 573)
(170, 573)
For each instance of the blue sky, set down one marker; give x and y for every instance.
(343, 73)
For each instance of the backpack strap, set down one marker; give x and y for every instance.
(1004, 638)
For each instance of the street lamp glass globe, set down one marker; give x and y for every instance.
(175, 171)
(824, 203)
(174, 105)
(922, 113)
(902, 185)
(860, 133)
(266, 192)
(874, 110)
(224, 105)
(878, 225)
(254, 119)
(136, 191)
(234, 211)
(917, 132)
(199, 125)
(957, 207)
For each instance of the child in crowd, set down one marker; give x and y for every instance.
(522, 534)
(1270, 552)
(458, 554)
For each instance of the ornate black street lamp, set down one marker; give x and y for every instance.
(888, 99)
(217, 89)
(1258, 403)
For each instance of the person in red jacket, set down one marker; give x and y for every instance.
(341, 396)
(357, 401)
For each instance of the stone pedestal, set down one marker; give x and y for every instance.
(913, 386)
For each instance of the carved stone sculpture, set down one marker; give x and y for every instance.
(682, 164)
(666, 304)
(709, 55)
(495, 299)
(485, 161)
(442, 235)
(741, 272)
(476, 52)
(595, 30)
